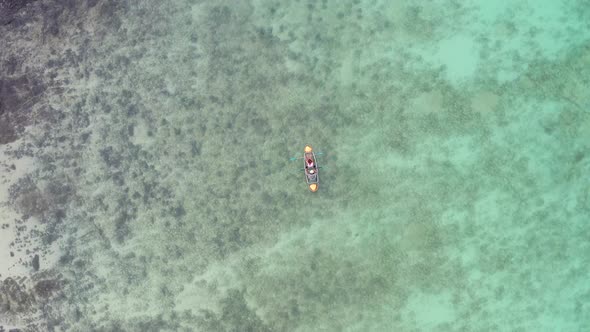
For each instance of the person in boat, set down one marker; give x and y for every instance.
(309, 164)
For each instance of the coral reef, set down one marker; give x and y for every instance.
(161, 133)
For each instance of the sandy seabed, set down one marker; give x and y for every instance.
(146, 185)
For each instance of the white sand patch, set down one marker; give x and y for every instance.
(14, 259)
(9, 265)
(141, 135)
(484, 102)
(431, 310)
(348, 67)
(460, 55)
(427, 102)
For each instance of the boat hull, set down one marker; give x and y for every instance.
(312, 176)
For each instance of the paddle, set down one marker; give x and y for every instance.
(297, 158)
(303, 168)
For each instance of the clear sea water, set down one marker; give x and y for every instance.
(456, 151)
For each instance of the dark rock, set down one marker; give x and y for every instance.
(11, 254)
(36, 263)
(179, 212)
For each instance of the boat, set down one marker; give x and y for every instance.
(312, 176)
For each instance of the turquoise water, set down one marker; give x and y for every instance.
(455, 139)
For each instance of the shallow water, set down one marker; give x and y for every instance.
(151, 147)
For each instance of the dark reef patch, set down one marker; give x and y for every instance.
(220, 15)
(11, 65)
(110, 10)
(7, 128)
(60, 192)
(195, 148)
(14, 298)
(28, 198)
(179, 211)
(9, 8)
(17, 96)
(235, 315)
(122, 230)
(111, 159)
(91, 3)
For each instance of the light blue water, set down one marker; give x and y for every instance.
(455, 194)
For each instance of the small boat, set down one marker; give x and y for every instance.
(312, 175)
